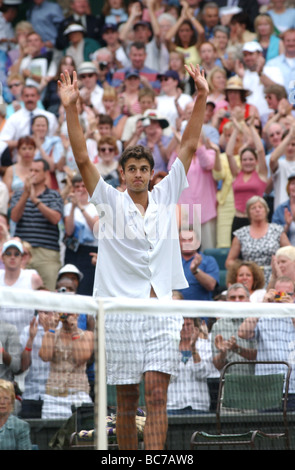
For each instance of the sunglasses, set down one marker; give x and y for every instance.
(106, 149)
(164, 79)
(11, 253)
(87, 75)
(14, 84)
(274, 133)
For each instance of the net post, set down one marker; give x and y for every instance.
(100, 381)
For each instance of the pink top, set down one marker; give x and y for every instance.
(243, 190)
(200, 196)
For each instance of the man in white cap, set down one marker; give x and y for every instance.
(14, 277)
(72, 272)
(249, 71)
(91, 92)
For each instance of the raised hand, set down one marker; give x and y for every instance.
(68, 89)
(198, 77)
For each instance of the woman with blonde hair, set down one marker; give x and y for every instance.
(176, 63)
(217, 83)
(271, 44)
(113, 108)
(283, 264)
(15, 433)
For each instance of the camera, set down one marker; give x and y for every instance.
(279, 295)
(63, 316)
(102, 65)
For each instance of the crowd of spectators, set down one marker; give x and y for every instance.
(134, 89)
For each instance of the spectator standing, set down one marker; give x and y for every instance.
(37, 211)
(14, 277)
(282, 165)
(67, 350)
(137, 56)
(171, 102)
(282, 16)
(133, 128)
(249, 70)
(250, 177)
(282, 67)
(45, 17)
(80, 218)
(197, 203)
(189, 393)
(258, 241)
(283, 215)
(210, 18)
(37, 370)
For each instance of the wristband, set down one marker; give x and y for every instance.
(196, 271)
(37, 203)
(51, 331)
(28, 349)
(75, 337)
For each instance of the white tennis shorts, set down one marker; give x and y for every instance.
(136, 344)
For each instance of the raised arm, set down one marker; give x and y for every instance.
(69, 95)
(192, 132)
(258, 144)
(230, 150)
(280, 149)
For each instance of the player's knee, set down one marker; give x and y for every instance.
(156, 397)
(127, 397)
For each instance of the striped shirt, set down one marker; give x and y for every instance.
(33, 227)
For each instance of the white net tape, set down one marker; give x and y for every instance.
(100, 307)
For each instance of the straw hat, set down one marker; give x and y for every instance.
(236, 83)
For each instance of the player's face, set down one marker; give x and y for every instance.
(137, 175)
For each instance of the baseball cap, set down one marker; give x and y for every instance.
(111, 26)
(153, 115)
(70, 268)
(142, 23)
(132, 73)
(12, 243)
(169, 74)
(252, 46)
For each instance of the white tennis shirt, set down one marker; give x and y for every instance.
(136, 252)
